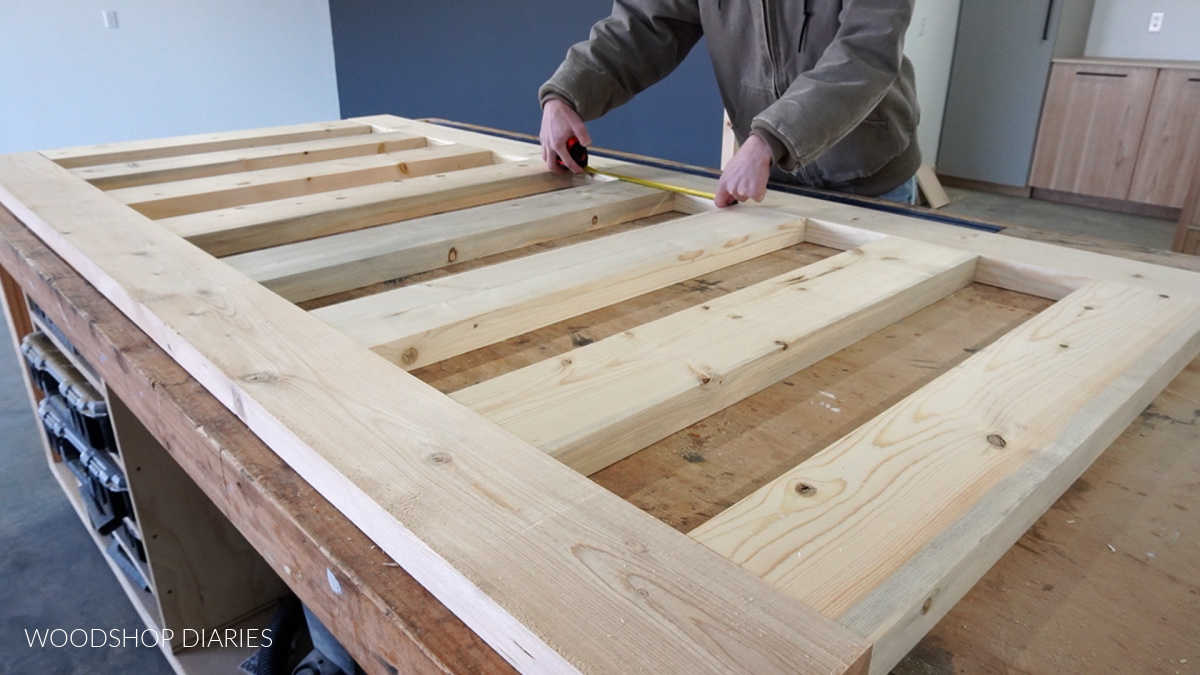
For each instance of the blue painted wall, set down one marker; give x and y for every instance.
(481, 61)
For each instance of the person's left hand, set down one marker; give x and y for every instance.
(745, 177)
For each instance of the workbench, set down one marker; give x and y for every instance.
(1107, 580)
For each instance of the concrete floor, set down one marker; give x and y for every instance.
(1063, 218)
(58, 579)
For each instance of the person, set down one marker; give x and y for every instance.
(819, 92)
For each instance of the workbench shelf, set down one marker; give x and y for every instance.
(609, 428)
(156, 566)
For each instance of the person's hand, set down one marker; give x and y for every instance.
(559, 123)
(745, 176)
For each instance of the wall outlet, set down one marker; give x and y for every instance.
(1156, 20)
(110, 18)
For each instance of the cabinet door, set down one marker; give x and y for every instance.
(1171, 143)
(1091, 128)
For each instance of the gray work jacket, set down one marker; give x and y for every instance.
(824, 82)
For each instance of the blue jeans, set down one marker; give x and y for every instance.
(905, 194)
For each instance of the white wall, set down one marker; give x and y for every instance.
(930, 45)
(1119, 30)
(171, 67)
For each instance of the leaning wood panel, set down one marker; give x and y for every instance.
(133, 151)
(255, 226)
(221, 192)
(201, 165)
(602, 402)
(320, 267)
(502, 534)
(425, 323)
(889, 527)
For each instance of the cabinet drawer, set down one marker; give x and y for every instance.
(1171, 143)
(1091, 128)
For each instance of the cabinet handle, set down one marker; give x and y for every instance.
(1194, 79)
(1046, 26)
(1091, 74)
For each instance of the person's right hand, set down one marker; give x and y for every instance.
(559, 123)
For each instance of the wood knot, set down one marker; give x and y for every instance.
(997, 440)
(259, 378)
(927, 606)
(452, 255)
(403, 167)
(806, 489)
(439, 458)
(595, 220)
(783, 345)
(409, 356)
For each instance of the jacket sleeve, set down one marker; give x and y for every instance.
(640, 43)
(848, 81)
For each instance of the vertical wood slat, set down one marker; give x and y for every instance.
(254, 226)
(221, 192)
(886, 529)
(424, 323)
(601, 403)
(319, 267)
(202, 165)
(134, 151)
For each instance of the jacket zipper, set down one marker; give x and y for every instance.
(804, 28)
(768, 29)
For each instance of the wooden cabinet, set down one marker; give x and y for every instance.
(1187, 237)
(1091, 129)
(1171, 143)
(1119, 131)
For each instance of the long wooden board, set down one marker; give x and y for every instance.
(135, 151)
(205, 164)
(502, 534)
(320, 267)
(607, 400)
(238, 189)
(254, 226)
(422, 324)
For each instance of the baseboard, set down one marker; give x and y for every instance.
(1108, 204)
(984, 186)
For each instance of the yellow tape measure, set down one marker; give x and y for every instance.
(653, 184)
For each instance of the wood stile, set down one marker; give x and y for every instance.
(254, 226)
(202, 165)
(136, 151)
(607, 400)
(166, 200)
(417, 325)
(889, 526)
(320, 267)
